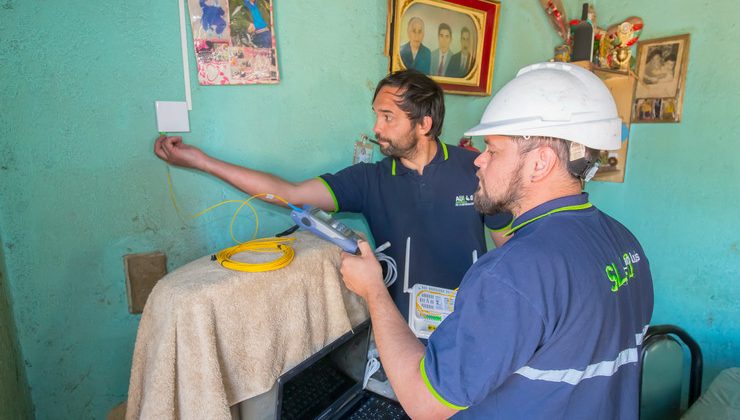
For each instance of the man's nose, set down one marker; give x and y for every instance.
(479, 161)
(376, 127)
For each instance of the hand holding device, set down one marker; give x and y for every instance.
(362, 274)
(326, 227)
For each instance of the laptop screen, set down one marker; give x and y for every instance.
(327, 380)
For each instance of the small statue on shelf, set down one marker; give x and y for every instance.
(619, 40)
(612, 48)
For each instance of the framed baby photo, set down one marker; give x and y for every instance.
(453, 41)
(661, 79)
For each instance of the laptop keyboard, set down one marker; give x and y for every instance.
(378, 409)
(307, 395)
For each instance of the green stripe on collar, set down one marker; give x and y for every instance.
(444, 152)
(557, 210)
(504, 228)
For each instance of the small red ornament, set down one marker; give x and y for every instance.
(467, 143)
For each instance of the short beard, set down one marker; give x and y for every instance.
(507, 203)
(395, 151)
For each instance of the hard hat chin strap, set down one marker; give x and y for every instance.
(583, 161)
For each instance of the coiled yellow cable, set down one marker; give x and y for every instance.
(258, 245)
(253, 245)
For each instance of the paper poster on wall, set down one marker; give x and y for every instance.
(234, 41)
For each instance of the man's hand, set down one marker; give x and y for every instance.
(173, 151)
(362, 273)
(399, 349)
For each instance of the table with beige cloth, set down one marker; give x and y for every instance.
(210, 337)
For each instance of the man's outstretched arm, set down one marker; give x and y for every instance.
(312, 191)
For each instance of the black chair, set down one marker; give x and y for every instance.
(662, 357)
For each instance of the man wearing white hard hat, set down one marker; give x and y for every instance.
(549, 325)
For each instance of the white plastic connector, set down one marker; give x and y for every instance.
(383, 247)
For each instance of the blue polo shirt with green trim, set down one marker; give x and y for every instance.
(550, 325)
(434, 209)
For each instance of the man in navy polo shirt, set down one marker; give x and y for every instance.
(423, 190)
(549, 325)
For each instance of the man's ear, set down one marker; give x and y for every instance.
(544, 160)
(425, 125)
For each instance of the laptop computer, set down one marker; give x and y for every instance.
(328, 385)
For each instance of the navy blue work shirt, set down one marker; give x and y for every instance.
(550, 325)
(434, 209)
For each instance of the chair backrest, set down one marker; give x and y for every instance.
(663, 372)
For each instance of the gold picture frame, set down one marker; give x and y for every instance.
(453, 41)
(661, 79)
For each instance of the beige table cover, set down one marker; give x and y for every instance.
(211, 337)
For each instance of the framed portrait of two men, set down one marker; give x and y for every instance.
(452, 41)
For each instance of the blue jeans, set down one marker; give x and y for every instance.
(262, 39)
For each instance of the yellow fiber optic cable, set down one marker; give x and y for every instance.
(253, 245)
(258, 245)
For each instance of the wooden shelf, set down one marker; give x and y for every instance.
(622, 87)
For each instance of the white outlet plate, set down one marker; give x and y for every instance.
(172, 117)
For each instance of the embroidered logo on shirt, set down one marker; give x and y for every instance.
(615, 276)
(463, 200)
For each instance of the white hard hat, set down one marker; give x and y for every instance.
(555, 100)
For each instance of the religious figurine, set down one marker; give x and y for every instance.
(612, 48)
(619, 40)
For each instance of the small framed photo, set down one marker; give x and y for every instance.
(661, 79)
(452, 41)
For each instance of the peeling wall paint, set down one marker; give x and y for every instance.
(80, 187)
(15, 397)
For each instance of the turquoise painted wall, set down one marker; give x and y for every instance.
(80, 187)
